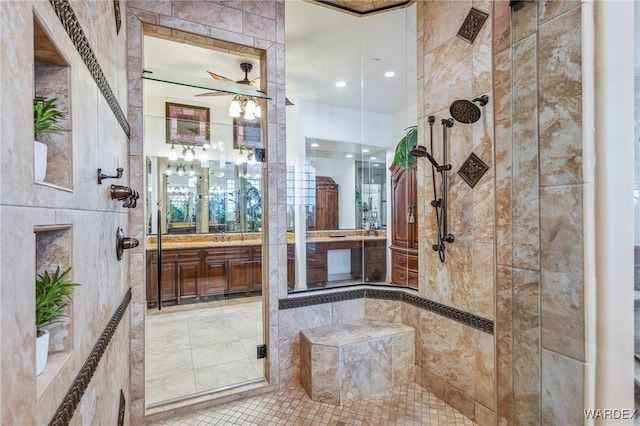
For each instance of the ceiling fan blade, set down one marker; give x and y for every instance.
(214, 94)
(219, 77)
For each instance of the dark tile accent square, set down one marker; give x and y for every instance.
(472, 25)
(472, 170)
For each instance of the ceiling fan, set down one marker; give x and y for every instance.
(246, 67)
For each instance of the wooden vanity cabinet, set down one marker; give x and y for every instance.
(317, 263)
(404, 231)
(375, 261)
(181, 274)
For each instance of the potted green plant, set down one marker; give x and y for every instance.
(46, 119)
(402, 154)
(53, 295)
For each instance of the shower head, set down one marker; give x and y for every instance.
(465, 111)
(419, 151)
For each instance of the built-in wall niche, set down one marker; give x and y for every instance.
(52, 79)
(53, 249)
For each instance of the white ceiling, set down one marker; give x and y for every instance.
(322, 46)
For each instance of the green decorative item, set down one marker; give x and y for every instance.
(402, 155)
(46, 115)
(53, 295)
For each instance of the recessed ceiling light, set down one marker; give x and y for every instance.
(365, 150)
(372, 158)
(389, 74)
(349, 155)
(375, 164)
(341, 84)
(314, 145)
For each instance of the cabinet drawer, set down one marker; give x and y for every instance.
(188, 256)
(375, 255)
(315, 275)
(224, 254)
(401, 276)
(380, 243)
(412, 262)
(344, 245)
(166, 257)
(399, 260)
(375, 272)
(316, 260)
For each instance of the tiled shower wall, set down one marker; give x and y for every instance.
(548, 183)
(82, 209)
(456, 361)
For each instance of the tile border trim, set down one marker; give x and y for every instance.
(72, 398)
(458, 315)
(69, 21)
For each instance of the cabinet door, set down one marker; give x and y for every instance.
(215, 278)
(240, 276)
(400, 202)
(188, 278)
(169, 289)
(326, 203)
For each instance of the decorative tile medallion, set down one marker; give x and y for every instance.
(472, 25)
(361, 8)
(472, 170)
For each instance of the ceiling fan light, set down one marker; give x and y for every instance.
(250, 106)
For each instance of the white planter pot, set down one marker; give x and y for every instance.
(42, 351)
(39, 160)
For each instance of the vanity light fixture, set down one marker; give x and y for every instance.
(389, 74)
(204, 156)
(246, 106)
(180, 170)
(168, 172)
(188, 154)
(173, 154)
(191, 171)
(340, 84)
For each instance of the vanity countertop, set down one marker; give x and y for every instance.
(194, 241)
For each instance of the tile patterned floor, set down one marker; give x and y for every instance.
(192, 348)
(403, 405)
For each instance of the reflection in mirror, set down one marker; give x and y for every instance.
(341, 137)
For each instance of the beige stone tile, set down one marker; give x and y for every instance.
(174, 341)
(160, 363)
(219, 353)
(224, 374)
(482, 52)
(348, 311)
(562, 280)
(170, 386)
(501, 25)
(484, 390)
(504, 346)
(325, 370)
(259, 26)
(450, 394)
(291, 321)
(443, 84)
(382, 310)
(365, 369)
(549, 9)
(411, 317)
(448, 351)
(560, 99)
(158, 6)
(403, 358)
(525, 184)
(289, 351)
(305, 364)
(208, 336)
(526, 347)
(482, 264)
(209, 14)
(483, 415)
(525, 21)
(562, 389)
(165, 328)
(442, 20)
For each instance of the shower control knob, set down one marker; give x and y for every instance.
(449, 238)
(124, 243)
(129, 243)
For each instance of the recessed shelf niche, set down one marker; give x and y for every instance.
(52, 76)
(53, 248)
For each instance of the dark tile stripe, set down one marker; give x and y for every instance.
(76, 34)
(458, 315)
(70, 402)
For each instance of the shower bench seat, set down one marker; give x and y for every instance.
(342, 363)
